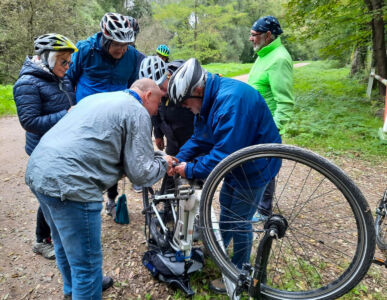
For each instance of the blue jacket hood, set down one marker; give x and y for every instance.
(30, 68)
(210, 91)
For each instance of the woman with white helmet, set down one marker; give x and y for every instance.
(43, 95)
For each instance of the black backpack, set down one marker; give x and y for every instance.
(170, 267)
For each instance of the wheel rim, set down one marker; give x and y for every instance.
(325, 246)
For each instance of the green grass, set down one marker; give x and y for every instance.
(333, 115)
(7, 105)
(228, 70)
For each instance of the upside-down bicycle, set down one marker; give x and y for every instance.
(318, 243)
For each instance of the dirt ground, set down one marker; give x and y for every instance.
(25, 275)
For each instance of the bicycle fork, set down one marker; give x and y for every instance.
(275, 228)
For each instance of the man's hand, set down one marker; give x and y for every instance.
(179, 169)
(160, 143)
(170, 160)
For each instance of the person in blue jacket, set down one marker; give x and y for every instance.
(43, 95)
(230, 115)
(106, 62)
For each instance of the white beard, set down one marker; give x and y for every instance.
(260, 44)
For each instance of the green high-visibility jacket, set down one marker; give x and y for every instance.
(272, 76)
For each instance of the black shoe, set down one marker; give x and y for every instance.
(218, 287)
(107, 282)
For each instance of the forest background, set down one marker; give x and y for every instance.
(348, 31)
(342, 40)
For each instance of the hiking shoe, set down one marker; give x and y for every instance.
(109, 207)
(45, 249)
(107, 282)
(218, 287)
(259, 218)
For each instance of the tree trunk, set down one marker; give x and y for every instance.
(378, 40)
(358, 62)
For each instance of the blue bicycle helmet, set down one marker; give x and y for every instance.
(163, 50)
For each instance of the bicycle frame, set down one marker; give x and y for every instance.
(187, 196)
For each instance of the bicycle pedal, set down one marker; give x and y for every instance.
(380, 262)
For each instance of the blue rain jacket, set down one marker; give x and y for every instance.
(233, 116)
(93, 71)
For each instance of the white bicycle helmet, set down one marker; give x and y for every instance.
(153, 67)
(53, 42)
(117, 28)
(186, 78)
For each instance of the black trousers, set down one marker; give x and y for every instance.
(112, 192)
(268, 196)
(42, 229)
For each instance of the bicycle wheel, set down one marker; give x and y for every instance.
(381, 223)
(156, 234)
(330, 242)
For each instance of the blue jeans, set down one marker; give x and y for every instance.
(76, 232)
(238, 204)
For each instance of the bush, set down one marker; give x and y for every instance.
(7, 105)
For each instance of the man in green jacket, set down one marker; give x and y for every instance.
(272, 72)
(272, 76)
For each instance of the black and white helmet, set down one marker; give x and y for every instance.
(117, 28)
(186, 78)
(133, 22)
(174, 65)
(153, 67)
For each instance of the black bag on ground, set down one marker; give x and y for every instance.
(170, 268)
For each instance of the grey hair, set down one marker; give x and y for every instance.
(49, 58)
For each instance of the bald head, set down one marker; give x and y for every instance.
(144, 84)
(150, 94)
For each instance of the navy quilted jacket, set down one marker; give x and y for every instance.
(41, 101)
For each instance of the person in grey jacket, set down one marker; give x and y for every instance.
(43, 94)
(104, 137)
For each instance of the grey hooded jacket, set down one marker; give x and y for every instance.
(102, 138)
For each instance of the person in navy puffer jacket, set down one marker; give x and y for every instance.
(106, 62)
(43, 95)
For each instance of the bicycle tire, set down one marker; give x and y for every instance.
(295, 270)
(381, 223)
